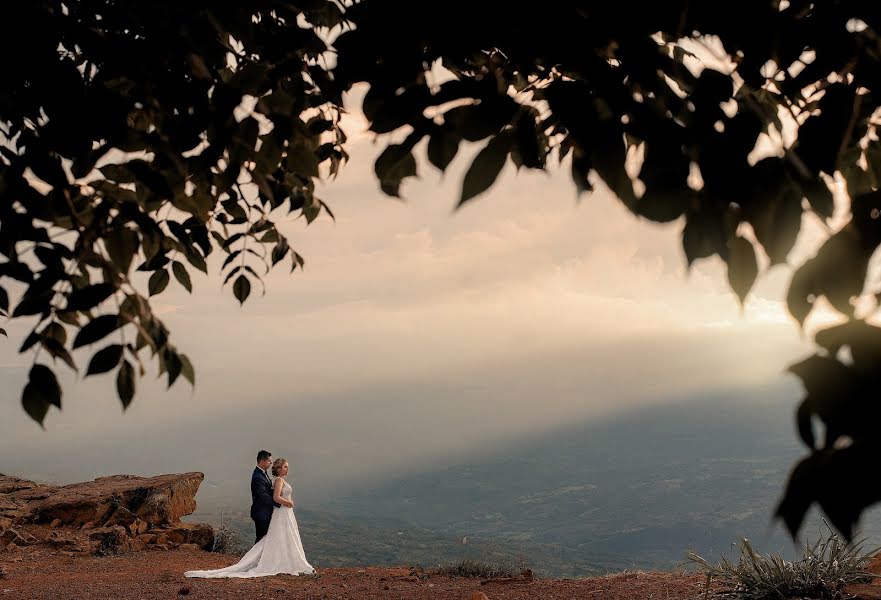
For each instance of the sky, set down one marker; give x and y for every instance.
(418, 335)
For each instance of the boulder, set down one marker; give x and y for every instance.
(67, 541)
(9, 484)
(107, 541)
(10, 509)
(119, 500)
(200, 534)
(11, 536)
(106, 516)
(136, 545)
(137, 527)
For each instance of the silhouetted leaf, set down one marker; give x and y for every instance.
(840, 270)
(187, 369)
(664, 173)
(863, 340)
(804, 424)
(581, 170)
(122, 243)
(232, 256)
(105, 360)
(71, 318)
(54, 331)
(799, 493)
(180, 273)
(394, 164)
(311, 210)
(269, 237)
(821, 476)
(49, 257)
(57, 350)
(232, 273)
(232, 239)
(96, 330)
(158, 282)
(800, 297)
(89, 297)
(280, 251)
(486, 168)
(119, 173)
(125, 383)
(196, 259)
(34, 404)
(241, 288)
(607, 159)
(442, 148)
(235, 210)
(157, 262)
(40, 392)
(703, 235)
(742, 266)
(33, 303)
(775, 209)
(821, 375)
(152, 241)
(173, 366)
(32, 338)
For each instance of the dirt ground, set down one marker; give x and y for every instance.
(45, 574)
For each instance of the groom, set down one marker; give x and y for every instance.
(261, 494)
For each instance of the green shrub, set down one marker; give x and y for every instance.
(469, 567)
(824, 569)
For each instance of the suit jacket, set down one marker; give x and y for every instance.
(261, 496)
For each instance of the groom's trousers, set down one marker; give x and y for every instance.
(261, 527)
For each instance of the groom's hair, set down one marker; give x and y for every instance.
(263, 455)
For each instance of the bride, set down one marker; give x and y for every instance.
(280, 550)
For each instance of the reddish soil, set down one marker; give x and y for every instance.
(46, 574)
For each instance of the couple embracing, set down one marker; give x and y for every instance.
(277, 548)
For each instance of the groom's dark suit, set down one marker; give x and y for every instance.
(261, 501)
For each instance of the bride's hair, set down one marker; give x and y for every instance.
(276, 466)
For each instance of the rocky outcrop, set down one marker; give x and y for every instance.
(119, 500)
(106, 516)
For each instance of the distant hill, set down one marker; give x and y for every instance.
(643, 488)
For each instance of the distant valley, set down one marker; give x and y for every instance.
(636, 491)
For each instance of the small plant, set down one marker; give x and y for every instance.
(226, 540)
(824, 569)
(469, 567)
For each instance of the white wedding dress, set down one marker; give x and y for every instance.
(279, 551)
